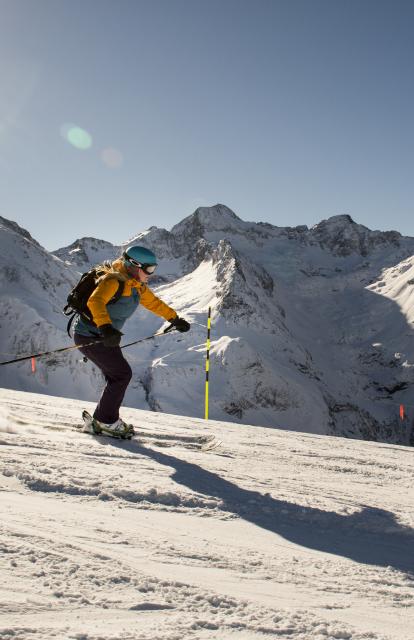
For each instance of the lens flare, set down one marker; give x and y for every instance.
(76, 136)
(112, 158)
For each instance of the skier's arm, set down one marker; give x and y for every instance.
(97, 302)
(150, 301)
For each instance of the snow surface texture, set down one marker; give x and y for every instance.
(312, 329)
(275, 534)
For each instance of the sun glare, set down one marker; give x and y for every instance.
(76, 136)
(112, 158)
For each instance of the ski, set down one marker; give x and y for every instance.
(167, 438)
(210, 445)
(195, 443)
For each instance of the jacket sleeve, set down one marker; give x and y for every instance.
(97, 302)
(150, 301)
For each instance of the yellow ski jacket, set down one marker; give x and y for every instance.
(117, 313)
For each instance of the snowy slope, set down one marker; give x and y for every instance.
(274, 535)
(300, 337)
(397, 284)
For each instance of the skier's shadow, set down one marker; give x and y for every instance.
(371, 536)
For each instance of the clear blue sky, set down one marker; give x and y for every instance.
(286, 111)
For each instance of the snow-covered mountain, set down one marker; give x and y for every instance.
(312, 328)
(33, 285)
(274, 534)
(87, 252)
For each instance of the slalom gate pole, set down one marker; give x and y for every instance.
(207, 361)
(76, 346)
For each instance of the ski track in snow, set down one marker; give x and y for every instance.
(274, 534)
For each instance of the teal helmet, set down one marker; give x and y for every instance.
(141, 257)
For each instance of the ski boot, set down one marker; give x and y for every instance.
(118, 429)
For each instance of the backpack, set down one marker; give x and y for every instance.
(81, 292)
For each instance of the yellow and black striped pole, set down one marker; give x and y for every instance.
(207, 360)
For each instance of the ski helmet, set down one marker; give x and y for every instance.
(137, 256)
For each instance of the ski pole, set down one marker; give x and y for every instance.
(47, 353)
(159, 333)
(79, 346)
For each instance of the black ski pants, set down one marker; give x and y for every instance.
(116, 371)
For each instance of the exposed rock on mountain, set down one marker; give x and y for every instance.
(344, 237)
(245, 290)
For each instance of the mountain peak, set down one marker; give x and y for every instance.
(217, 218)
(86, 252)
(15, 228)
(339, 221)
(218, 211)
(343, 236)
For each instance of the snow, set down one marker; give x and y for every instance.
(275, 534)
(396, 283)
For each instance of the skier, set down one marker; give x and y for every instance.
(133, 269)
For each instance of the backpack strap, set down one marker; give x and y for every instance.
(70, 321)
(118, 294)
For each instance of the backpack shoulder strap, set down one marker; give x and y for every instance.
(121, 287)
(70, 321)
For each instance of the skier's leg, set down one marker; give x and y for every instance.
(117, 374)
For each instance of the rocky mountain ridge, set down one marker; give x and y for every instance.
(340, 235)
(302, 337)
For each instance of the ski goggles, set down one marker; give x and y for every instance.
(147, 268)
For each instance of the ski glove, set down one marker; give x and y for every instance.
(180, 324)
(111, 336)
